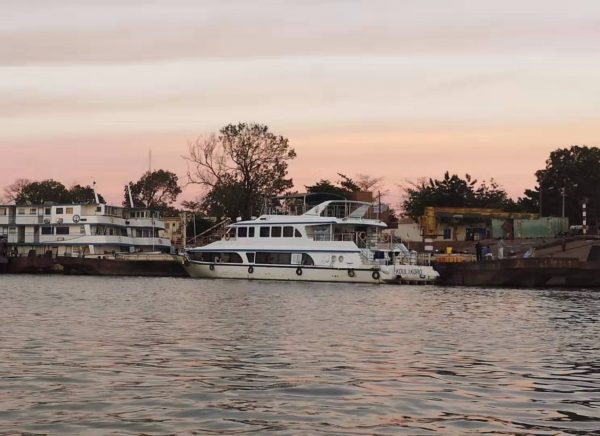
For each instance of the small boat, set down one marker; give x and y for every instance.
(335, 241)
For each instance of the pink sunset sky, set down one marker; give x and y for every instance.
(397, 89)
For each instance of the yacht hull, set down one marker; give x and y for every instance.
(289, 273)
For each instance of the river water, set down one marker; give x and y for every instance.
(158, 356)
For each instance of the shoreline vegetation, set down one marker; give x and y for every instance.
(237, 168)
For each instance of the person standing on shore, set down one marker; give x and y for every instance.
(478, 251)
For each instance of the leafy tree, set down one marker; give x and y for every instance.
(346, 186)
(245, 161)
(155, 190)
(44, 191)
(84, 194)
(224, 199)
(576, 170)
(24, 191)
(453, 191)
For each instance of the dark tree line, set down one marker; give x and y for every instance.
(572, 172)
(24, 191)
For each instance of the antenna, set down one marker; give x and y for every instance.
(128, 186)
(95, 193)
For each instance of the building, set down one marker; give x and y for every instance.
(175, 229)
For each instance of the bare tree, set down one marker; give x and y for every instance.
(245, 161)
(368, 183)
(14, 190)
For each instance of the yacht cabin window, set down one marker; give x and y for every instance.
(297, 233)
(62, 230)
(288, 231)
(264, 231)
(275, 232)
(242, 232)
(274, 258)
(69, 210)
(46, 230)
(251, 232)
(59, 210)
(250, 257)
(47, 211)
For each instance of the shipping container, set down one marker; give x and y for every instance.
(546, 227)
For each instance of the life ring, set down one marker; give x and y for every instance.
(351, 273)
(250, 269)
(76, 218)
(375, 275)
(211, 267)
(362, 236)
(298, 271)
(226, 237)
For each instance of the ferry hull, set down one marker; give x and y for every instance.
(289, 273)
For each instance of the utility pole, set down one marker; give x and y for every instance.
(562, 192)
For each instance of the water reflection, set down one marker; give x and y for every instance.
(161, 356)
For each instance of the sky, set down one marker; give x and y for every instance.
(399, 89)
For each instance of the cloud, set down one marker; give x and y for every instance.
(131, 32)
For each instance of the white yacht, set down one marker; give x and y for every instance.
(335, 241)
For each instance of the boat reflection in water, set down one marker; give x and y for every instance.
(335, 241)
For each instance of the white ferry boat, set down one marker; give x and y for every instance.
(81, 230)
(333, 242)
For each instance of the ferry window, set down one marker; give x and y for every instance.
(242, 232)
(251, 232)
(47, 211)
(264, 232)
(307, 260)
(297, 233)
(32, 211)
(59, 210)
(46, 230)
(2, 211)
(276, 232)
(21, 211)
(447, 233)
(62, 230)
(288, 231)
(69, 210)
(250, 257)
(98, 208)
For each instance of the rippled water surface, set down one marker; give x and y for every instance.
(98, 355)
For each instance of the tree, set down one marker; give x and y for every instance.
(244, 160)
(576, 170)
(84, 194)
(24, 191)
(12, 191)
(44, 191)
(453, 191)
(367, 183)
(155, 190)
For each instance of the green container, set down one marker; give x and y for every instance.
(546, 227)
